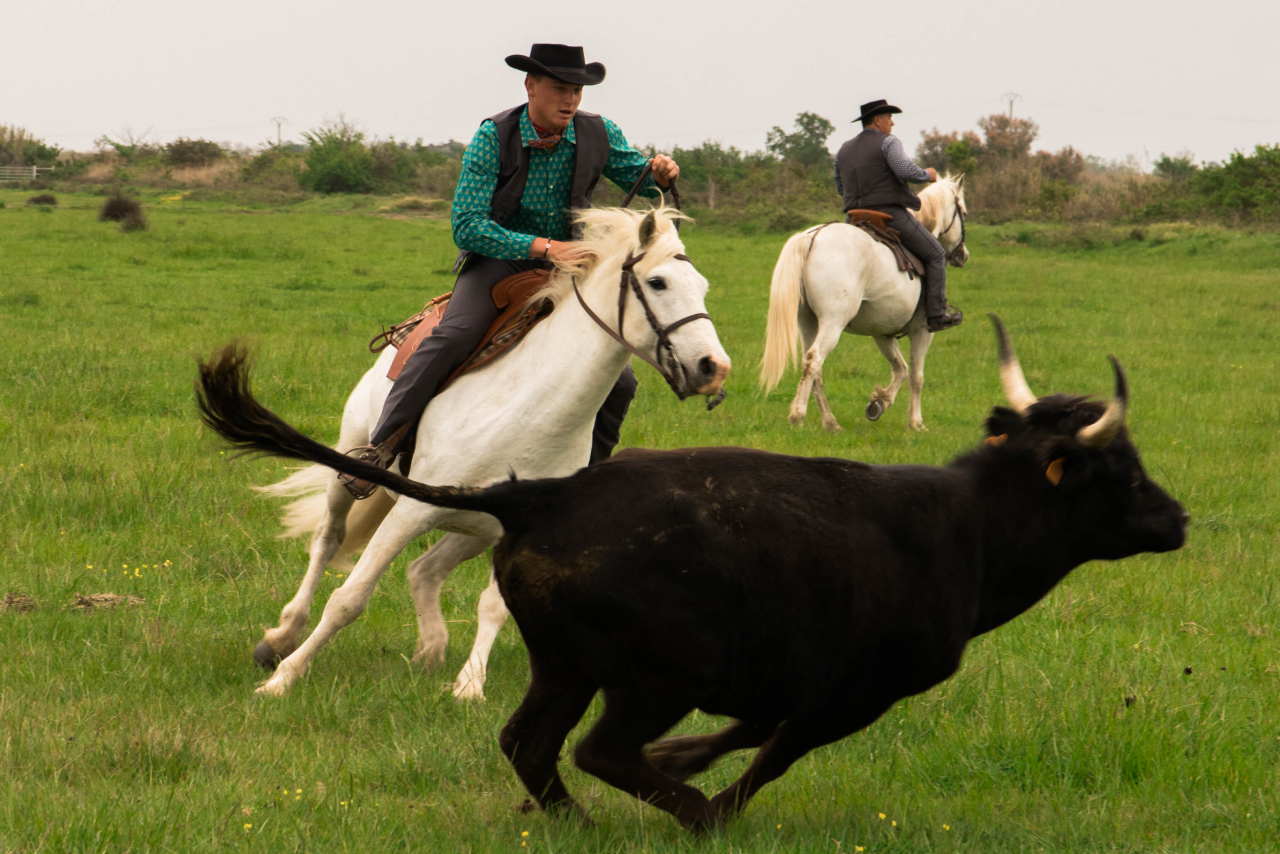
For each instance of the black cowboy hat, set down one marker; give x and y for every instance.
(561, 61)
(875, 108)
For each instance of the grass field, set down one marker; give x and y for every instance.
(1137, 708)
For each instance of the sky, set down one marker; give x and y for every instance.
(1112, 79)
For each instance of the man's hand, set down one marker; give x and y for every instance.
(665, 170)
(568, 252)
(933, 174)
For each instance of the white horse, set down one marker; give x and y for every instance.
(835, 278)
(529, 413)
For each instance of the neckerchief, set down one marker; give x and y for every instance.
(547, 139)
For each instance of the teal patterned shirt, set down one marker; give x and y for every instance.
(544, 209)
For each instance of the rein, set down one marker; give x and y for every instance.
(629, 281)
(953, 257)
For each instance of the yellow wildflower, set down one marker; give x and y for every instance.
(524, 833)
(893, 824)
(946, 827)
(882, 816)
(247, 826)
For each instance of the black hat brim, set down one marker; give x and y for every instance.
(880, 110)
(592, 74)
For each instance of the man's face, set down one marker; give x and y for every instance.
(883, 123)
(552, 103)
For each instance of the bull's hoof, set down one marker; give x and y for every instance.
(874, 410)
(266, 657)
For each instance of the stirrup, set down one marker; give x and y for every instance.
(361, 489)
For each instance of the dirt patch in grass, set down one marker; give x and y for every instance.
(103, 602)
(19, 602)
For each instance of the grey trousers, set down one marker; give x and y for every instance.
(470, 313)
(926, 247)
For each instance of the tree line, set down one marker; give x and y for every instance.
(783, 186)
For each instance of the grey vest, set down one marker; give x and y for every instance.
(868, 181)
(590, 155)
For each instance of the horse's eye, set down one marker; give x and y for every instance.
(657, 283)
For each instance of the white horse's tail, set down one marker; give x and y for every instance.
(310, 486)
(781, 340)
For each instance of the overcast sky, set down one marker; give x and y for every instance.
(1110, 78)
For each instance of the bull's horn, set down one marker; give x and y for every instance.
(1100, 433)
(1015, 384)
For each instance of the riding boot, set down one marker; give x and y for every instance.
(608, 427)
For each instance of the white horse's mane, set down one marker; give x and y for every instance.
(611, 234)
(933, 199)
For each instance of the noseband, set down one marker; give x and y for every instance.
(956, 256)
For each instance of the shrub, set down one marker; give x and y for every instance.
(43, 199)
(807, 145)
(277, 167)
(134, 221)
(118, 207)
(338, 161)
(193, 152)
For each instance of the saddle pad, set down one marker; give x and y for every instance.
(517, 315)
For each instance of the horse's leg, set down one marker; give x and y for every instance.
(492, 615)
(824, 408)
(427, 575)
(808, 325)
(828, 335)
(921, 338)
(882, 398)
(280, 642)
(407, 520)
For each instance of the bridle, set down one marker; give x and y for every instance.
(956, 256)
(629, 281)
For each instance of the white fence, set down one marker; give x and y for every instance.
(22, 173)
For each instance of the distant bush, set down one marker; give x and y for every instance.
(118, 208)
(43, 199)
(134, 221)
(276, 167)
(338, 160)
(193, 152)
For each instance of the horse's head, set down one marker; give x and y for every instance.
(946, 198)
(654, 297)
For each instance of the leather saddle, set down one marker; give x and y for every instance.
(519, 312)
(876, 224)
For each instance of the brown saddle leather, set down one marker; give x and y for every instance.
(518, 313)
(876, 224)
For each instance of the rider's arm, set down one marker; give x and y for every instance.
(896, 156)
(839, 183)
(473, 230)
(626, 163)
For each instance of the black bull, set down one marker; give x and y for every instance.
(803, 597)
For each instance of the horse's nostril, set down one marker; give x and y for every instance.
(706, 366)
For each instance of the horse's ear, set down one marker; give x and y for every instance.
(648, 228)
(960, 182)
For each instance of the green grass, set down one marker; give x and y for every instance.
(1075, 728)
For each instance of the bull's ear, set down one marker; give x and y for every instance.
(648, 228)
(1004, 422)
(1053, 472)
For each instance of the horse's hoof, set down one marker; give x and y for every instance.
(266, 657)
(833, 427)
(874, 410)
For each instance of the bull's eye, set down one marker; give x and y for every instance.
(657, 283)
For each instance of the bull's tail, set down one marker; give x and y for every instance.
(781, 341)
(228, 406)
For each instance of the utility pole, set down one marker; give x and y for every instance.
(280, 120)
(1010, 97)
